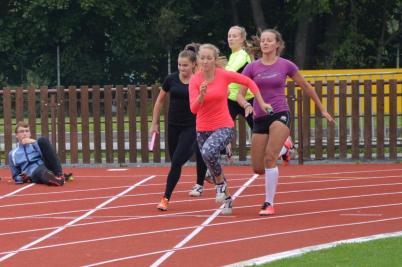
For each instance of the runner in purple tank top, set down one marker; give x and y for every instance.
(271, 131)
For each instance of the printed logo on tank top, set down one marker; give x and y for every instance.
(269, 75)
(284, 119)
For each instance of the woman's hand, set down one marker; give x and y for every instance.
(154, 128)
(267, 108)
(203, 88)
(248, 109)
(327, 116)
(203, 92)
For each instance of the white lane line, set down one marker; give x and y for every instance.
(203, 225)
(195, 226)
(348, 172)
(121, 217)
(147, 194)
(232, 179)
(362, 214)
(217, 243)
(61, 228)
(204, 199)
(16, 191)
(297, 252)
(116, 170)
(284, 176)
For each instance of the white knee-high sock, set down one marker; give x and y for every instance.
(271, 181)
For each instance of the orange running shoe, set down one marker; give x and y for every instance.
(267, 209)
(163, 205)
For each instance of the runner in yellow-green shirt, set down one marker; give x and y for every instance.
(237, 62)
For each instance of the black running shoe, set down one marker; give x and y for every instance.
(53, 179)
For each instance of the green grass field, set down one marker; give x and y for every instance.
(376, 253)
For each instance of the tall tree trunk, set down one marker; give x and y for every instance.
(331, 41)
(381, 44)
(301, 43)
(236, 20)
(258, 14)
(302, 34)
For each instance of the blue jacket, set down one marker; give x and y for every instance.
(24, 159)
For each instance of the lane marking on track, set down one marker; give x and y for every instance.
(362, 214)
(218, 243)
(207, 189)
(123, 217)
(202, 226)
(336, 173)
(16, 191)
(116, 170)
(199, 228)
(164, 230)
(205, 199)
(61, 228)
(158, 193)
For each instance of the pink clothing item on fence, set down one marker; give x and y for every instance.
(271, 79)
(213, 113)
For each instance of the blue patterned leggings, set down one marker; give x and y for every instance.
(210, 144)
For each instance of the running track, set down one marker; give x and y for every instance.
(109, 218)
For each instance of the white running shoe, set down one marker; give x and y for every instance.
(227, 208)
(197, 191)
(221, 192)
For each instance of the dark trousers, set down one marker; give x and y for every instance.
(50, 159)
(182, 145)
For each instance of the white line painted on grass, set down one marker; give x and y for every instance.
(16, 191)
(61, 228)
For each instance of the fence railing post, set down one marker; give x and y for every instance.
(300, 126)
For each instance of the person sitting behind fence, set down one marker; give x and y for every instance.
(35, 160)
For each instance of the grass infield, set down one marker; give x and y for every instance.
(381, 252)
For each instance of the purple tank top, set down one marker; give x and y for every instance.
(271, 80)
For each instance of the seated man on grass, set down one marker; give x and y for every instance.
(35, 160)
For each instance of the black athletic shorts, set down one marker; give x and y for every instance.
(262, 124)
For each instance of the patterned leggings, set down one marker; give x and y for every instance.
(210, 144)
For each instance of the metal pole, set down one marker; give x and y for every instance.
(58, 66)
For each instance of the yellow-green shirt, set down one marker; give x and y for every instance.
(237, 61)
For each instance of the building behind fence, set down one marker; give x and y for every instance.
(110, 124)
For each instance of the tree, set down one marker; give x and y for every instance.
(258, 14)
(168, 29)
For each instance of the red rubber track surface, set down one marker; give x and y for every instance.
(109, 218)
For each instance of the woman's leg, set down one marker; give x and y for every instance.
(211, 144)
(258, 146)
(278, 132)
(201, 167)
(183, 138)
(198, 188)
